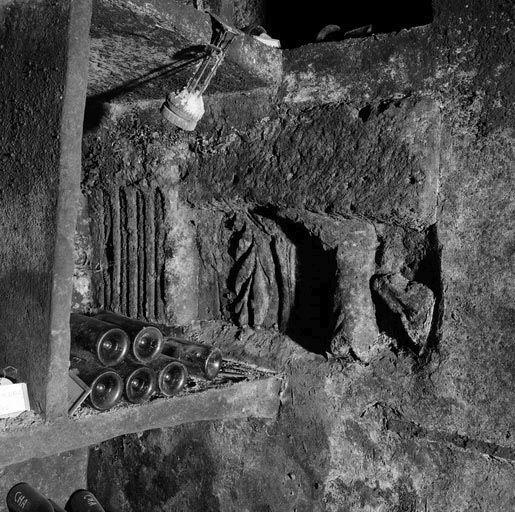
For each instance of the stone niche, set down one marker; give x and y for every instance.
(317, 223)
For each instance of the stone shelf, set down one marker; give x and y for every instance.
(257, 398)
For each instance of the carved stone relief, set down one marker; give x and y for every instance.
(324, 281)
(128, 231)
(247, 268)
(305, 274)
(354, 243)
(262, 280)
(407, 288)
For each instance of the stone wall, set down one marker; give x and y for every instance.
(382, 175)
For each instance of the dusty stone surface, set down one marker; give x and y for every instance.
(331, 449)
(413, 133)
(26, 260)
(340, 165)
(253, 392)
(55, 477)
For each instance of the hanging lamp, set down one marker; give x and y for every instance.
(185, 108)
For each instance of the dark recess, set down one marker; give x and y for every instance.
(298, 22)
(310, 323)
(429, 272)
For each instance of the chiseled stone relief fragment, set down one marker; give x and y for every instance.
(306, 274)
(412, 302)
(262, 279)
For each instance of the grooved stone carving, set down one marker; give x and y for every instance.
(262, 279)
(251, 283)
(128, 225)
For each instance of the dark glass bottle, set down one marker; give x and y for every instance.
(108, 342)
(56, 507)
(171, 376)
(24, 498)
(140, 382)
(83, 501)
(106, 384)
(146, 340)
(202, 360)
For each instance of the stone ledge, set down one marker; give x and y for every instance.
(259, 398)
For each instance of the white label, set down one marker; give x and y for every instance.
(14, 400)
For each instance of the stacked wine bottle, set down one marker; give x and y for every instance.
(118, 358)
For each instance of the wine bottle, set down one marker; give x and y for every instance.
(146, 340)
(171, 375)
(202, 360)
(24, 498)
(108, 342)
(140, 382)
(106, 385)
(56, 507)
(83, 501)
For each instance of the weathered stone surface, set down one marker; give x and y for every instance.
(56, 477)
(355, 324)
(411, 131)
(358, 71)
(326, 159)
(259, 398)
(386, 168)
(42, 78)
(337, 446)
(397, 432)
(412, 303)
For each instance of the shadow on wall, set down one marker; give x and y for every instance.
(173, 74)
(311, 319)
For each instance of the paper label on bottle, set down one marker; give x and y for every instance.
(14, 400)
